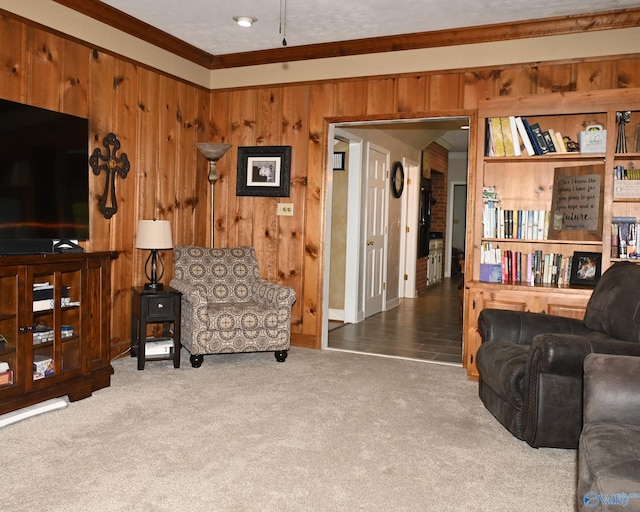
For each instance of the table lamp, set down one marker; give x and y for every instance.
(154, 235)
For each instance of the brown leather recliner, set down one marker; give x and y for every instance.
(608, 459)
(531, 364)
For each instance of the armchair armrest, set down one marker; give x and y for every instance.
(611, 389)
(273, 294)
(522, 326)
(190, 292)
(564, 354)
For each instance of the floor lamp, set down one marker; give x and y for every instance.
(212, 151)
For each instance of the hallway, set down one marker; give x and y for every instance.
(426, 328)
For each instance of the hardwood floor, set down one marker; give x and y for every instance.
(426, 328)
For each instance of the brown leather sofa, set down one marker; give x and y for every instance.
(531, 364)
(609, 450)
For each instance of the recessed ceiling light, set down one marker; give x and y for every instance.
(245, 21)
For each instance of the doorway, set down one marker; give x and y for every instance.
(390, 136)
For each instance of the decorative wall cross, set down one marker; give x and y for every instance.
(113, 164)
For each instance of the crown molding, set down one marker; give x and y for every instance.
(623, 18)
(134, 27)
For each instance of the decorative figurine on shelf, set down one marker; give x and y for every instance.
(622, 118)
(571, 145)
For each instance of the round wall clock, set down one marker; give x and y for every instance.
(397, 179)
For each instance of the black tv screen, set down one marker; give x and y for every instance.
(44, 174)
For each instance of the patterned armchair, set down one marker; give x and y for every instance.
(227, 307)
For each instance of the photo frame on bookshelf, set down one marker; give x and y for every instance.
(586, 268)
(577, 203)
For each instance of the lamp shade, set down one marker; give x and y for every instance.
(213, 150)
(154, 234)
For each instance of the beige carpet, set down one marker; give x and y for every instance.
(324, 431)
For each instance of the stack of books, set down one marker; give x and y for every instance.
(535, 268)
(43, 296)
(514, 136)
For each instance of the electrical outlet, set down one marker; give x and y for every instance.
(285, 209)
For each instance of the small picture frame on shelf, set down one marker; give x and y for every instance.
(586, 268)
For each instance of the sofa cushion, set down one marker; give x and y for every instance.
(609, 467)
(614, 304)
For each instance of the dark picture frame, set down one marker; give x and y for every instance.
(339, 160)
(586, 268)
(264, 171)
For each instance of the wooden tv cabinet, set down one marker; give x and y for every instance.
(55, 324)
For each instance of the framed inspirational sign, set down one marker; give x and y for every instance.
(576, 208)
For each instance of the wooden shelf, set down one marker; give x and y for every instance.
(527, 183)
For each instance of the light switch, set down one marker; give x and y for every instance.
(285, 209)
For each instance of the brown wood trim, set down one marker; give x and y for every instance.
(133, 26)
(483, 33)
(623, 18)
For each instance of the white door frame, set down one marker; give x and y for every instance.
(353, 312)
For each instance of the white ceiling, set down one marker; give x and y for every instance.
(208, 24)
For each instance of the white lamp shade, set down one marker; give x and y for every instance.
(154, 234)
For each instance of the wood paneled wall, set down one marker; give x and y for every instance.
(291, 249)
(158, 119)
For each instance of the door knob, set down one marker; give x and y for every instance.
(369, 242)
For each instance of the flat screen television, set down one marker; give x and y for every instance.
(44, 177)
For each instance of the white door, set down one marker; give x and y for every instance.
(409, 226)
(376, 215)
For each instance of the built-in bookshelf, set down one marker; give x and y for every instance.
(554, 201)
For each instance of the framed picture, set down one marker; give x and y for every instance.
(585, 268)
(577, 203)
(338, 160)
(264, 171)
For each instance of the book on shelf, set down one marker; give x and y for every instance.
(517, 150)
(496, 141)
(524, 136)
(532, 137)
(490, 273)
(508, 137)
(558, 141)
(548, 139)
(46, 292)
(539, 139)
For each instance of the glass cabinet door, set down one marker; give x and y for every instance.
(10, 353)
(56, 326)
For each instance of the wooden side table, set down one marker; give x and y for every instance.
(151, 307)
